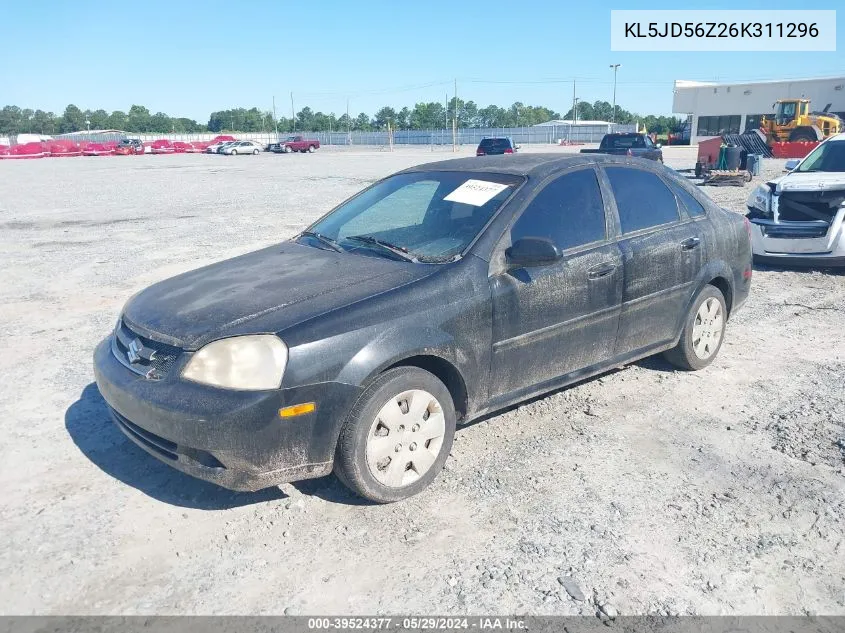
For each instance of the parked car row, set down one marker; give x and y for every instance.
(233, 148)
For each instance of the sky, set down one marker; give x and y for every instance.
(188, 59)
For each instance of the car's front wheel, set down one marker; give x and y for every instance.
(234, 152)
(255, 152)
(703, 333)
(397, 436)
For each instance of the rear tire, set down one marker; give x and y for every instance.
(397, 436)
(311, 149)
(703, 333)
(255, 152)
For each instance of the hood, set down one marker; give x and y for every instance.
(810, 181)
(261, 292)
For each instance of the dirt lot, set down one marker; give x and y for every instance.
(645, 490)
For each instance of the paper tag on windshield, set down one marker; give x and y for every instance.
(475, 192)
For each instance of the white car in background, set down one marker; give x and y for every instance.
(799, 219)
(241, 147)
(216, 147)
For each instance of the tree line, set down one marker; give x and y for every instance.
(422, 116)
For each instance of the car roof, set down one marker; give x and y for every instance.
(533, 165)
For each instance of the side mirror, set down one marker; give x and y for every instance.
(791, 164)
(532, 251)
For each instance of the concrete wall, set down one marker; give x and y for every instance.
(710, 99)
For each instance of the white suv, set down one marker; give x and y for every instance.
(799, 218)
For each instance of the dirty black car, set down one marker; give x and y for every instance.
(436, 295)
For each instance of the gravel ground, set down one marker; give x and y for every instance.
(643, 491)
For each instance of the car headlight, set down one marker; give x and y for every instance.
(760, 199)
(253, 362)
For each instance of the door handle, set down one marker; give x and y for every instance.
(601, 270)
(690, 243)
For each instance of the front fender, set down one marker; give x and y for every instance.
(394, 346)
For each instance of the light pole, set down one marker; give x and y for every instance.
(615, 67)
(88, 123)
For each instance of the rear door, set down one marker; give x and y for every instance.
(662, 252)
(554, 319)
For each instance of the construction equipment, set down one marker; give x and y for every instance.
(793, 121)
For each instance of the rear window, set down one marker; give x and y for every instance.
(642, 198)
(622, 142)
(693, 206)
(495, 144)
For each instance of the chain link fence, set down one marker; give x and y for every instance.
(538, 134)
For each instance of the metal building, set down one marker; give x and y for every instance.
(733, 108)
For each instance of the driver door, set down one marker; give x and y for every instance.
(560, 317)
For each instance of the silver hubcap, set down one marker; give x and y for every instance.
(707, 329)
(405, 438)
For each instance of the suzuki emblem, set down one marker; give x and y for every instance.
(133, 352)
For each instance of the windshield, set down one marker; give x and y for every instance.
(828, 156)
(430, 216)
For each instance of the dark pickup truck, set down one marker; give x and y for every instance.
(628, 144)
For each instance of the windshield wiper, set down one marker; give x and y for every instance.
(323, 239)
(399, 251)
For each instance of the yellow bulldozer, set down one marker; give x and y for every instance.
(793, 121)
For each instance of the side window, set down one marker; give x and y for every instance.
(693, 206)
(643, 200)
(569, 211)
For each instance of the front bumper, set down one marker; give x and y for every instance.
(235, 439)
(811, 243)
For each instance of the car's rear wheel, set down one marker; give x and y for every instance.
(703, 333)
(311, 149)
(255, 152)
(397, 436)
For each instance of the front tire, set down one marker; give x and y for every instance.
(234, 152)
(703, 333)
(255, 152)
(397, 436)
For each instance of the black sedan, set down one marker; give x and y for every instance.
(434, 296)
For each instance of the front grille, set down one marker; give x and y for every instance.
(785, 231)
(810, 205)
(143, 355)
